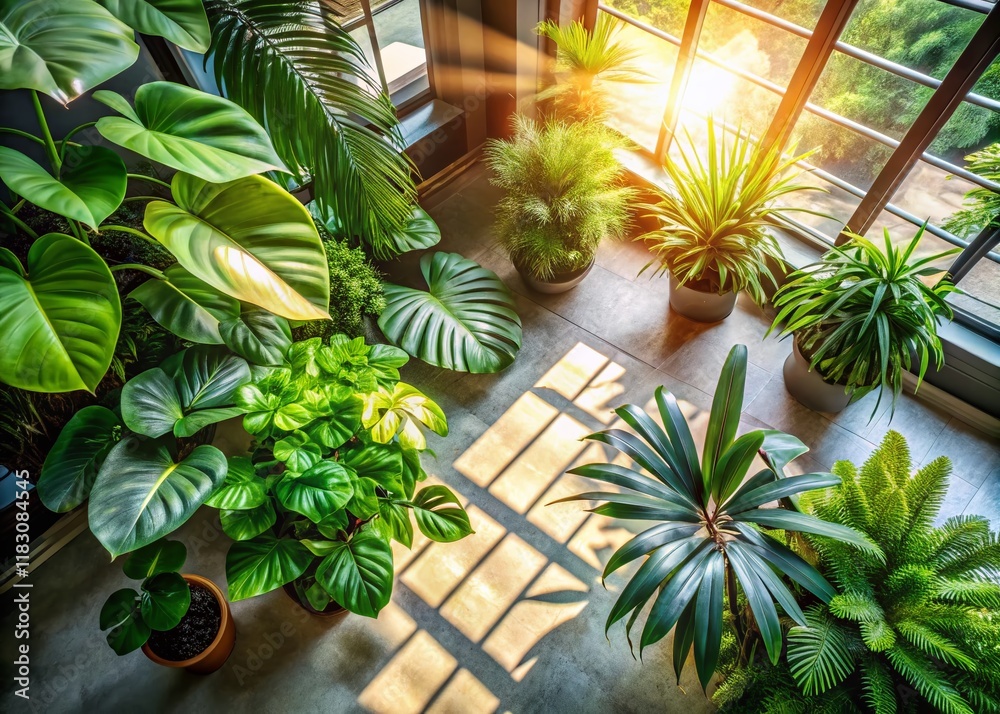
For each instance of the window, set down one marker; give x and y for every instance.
(887, 63)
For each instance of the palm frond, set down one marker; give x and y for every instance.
(819, 654)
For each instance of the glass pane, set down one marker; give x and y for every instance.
(360, 35)
(803, 13)
(637, 109)
(666, 15)
(401, 41)
(901, 231)
(712, 90)
(982, 292)
(930, 193)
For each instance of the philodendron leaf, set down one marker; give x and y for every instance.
(298, 452)
(258, 336)
(402, 411)
(383, 463)
(60, 323)
(141, 494)
(440, 516)
(465, 321)
(358, 573)
(165, 599)
(249, 239)
(421, 232)
(247, 523)
(263, 564)
(121, 614)
(150, 403)
(187, 306)
(208, 377)
(162, 556)
(61, 48)
(89, 188)
(183, 22)
(241, 489)
(189, 130)
(323, 489)
(72, 463)
(394, 521)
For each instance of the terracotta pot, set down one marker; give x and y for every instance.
(700, 305)
(216, 654)
(333, 611)
(558, 283)
(809, 388)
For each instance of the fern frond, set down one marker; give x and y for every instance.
(819, 655)
(979, 593)
(934, 644)
(878, 686)
(857, 607)
(922, 676)
(878, 635)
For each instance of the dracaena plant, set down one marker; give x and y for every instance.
(710, 541)
(713, 219)
(862, 311)
(333, 477)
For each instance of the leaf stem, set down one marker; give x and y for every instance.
(138, 266)
(78, 232)
(130, 231)
(50, 144)
(21, 224)
(149, 179)
(142, 198)
(22, 134)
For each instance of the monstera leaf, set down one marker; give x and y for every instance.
(89, 188)
(358, 573)
(421, 232)
(249, 239)
(187, 306)
(61, 48)
(60, 322)
(189, 130)
(260, 565)
(465, 321)
(142, 494)
(183, 22)
(72, 463)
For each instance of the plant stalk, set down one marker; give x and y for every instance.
(138, 266)
(22, 134)
(149, 179)
(50, 144)
(130, 231)
(22, 225)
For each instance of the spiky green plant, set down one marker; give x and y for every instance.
(564, 194)
(926, 621)
(586, 63)
(981, 206)
(713, 219)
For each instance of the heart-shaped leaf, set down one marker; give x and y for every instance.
(162, 556)
(208, 377)
(150, 403)
(358, 574)
(60, 323)
(121, 613)
(298, 452)
(440, 516)
(183, 22)
(141, 494)
(401, 412)
(247, 523)
(61, 48)
(72, 463)
(383, 463)
(90, 186)
(321, 490)
(187, 306)
(164, 601)
(394, 520)
(189, 130)
(248, 238)
(364, 502)
(257, 566)
(258, 336)
(465, 321)
(420, 232)
(241, 489)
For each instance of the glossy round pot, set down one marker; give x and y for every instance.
(700, 305)
(809, 388)
(216, 654)
(558, 283)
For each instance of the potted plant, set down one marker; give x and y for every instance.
(859, 315)
(710, 539)
(713, 236)
(332, 478)
(178, 620)
(564, 195)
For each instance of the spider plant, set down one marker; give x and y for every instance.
(586, 62)
(862, 312)
(711, 533)
(713, 220)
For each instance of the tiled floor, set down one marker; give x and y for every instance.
(512, 618)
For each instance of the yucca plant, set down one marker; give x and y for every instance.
(922, 623)
(564, 194)
(713, 219)
(586, 62)
(711, 535)
(862, 312)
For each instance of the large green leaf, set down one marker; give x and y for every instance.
(247, 523)
(402, 411)
(258, 336)
(61, 48)
(208, 377)
(60, 324)
(439, 515)
(183, 22)
(187, 306)
(150, 403)
(142, 494)
(321, 490)
(725, 415)
(248, 238)
(121, 613)
(465, 321)
(189, 130)
(242, 487)
(382, 463)
(358, 573)
(420, 233)
(162, 556)
(260, 565)
(165, 599)
(89, 188)
(72, 463)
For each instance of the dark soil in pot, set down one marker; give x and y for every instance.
(195, 632)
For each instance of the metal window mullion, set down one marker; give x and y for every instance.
(589, 18)
(366, 7)
(981, 246)
(686, 55)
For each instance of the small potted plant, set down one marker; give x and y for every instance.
(713, 236)
(858, 317)
(178, 620)
(564, 194)
(332, 478)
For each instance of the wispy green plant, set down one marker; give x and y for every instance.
(564, 194)
(586, 64)
(713, 219)
(981, 206)
(862, 311)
